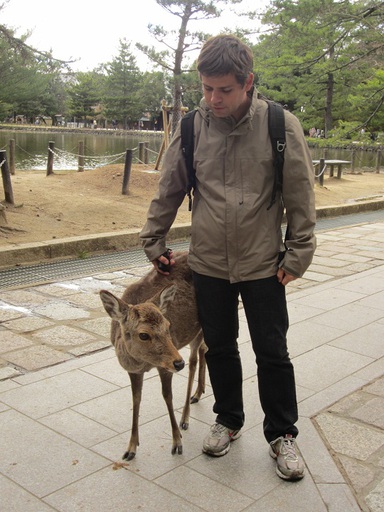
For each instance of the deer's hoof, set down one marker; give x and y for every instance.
(129, 455)
(184, 425)
(177, 449)
(194, 399)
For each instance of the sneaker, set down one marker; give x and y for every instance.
(217, 442)
(289, 463)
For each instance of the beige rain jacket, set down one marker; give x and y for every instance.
(234, 235)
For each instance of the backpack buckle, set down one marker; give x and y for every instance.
(280, 146)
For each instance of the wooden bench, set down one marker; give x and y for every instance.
(323, 164)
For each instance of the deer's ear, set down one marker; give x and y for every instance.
(115, 307)
(166, 297)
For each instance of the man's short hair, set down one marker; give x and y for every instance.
(223, 55)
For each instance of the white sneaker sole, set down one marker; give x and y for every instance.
(225, 450)
(295, 475)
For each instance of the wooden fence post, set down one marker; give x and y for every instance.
(378, 162)
(81, 156)
(51, 147)
(12, 166)
(127, 171)
(6, 176)
(322, 171)
(143, 152)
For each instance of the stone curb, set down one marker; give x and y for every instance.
(80, 246)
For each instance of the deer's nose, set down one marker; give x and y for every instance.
(179, 365)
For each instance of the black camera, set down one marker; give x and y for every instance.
(163, 266)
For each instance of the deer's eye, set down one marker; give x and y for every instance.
(144, 336)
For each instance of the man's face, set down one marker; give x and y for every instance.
(225, 96)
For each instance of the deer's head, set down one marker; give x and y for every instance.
(145, 330)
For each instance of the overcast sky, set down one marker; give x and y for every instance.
(89, 31)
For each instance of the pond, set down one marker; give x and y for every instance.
(102, 148)
(366, 159)
(31, 148)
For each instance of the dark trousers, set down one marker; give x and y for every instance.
(267, 317)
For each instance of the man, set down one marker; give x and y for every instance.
(236, 241)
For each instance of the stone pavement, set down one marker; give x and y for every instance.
(65, 402)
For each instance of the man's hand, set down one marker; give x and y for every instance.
(284, 278)
(165, 261)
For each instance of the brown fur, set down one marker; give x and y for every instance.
(155, 317)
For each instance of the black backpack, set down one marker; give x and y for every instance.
(276, 127)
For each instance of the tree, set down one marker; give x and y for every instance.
(122, 97)
(191, 89)
(23, 82)
(30, 78)
(178, 43)
(54, 99)
(154, 87)
(367, 102)
(12, 72)
(317, 52)
(85, 95)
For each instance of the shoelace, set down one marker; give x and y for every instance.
(288, 449)
(217, 430)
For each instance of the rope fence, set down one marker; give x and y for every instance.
(66, 160)
(356, 162)
(370, 156)
(321, 173)
(84, 162)
(93, 161)
(139, 154)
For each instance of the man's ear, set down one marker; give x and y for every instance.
(249, 82)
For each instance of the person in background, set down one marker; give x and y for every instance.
(236, 249)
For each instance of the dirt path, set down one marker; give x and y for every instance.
(72, 203)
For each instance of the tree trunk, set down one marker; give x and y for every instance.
(328, 121)
(177, 94)
(328, 118)
(177, 104)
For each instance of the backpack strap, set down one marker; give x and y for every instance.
(187, 147)
(276, 126)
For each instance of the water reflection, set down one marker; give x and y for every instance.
(105, 148)
(31, 148)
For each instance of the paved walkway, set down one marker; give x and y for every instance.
(65, 402)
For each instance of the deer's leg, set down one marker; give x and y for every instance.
(200, 390)
(198, 349)
(184, 422)
(166, 384)
(137, 386)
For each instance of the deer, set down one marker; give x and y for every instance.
(155, 317)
